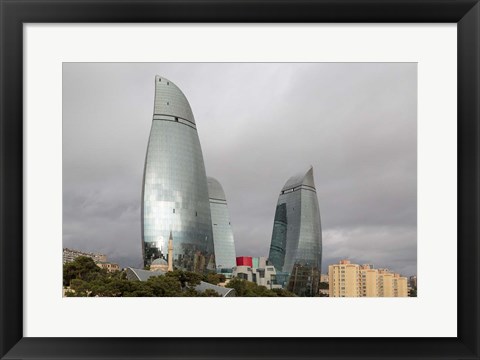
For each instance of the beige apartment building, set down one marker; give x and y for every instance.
(385, 283)
(343, 279)
(401, 286)
(353, 280)
(368, 281)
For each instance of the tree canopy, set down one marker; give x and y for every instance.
(214, 279)
(83, 268)
(85, 278)
(323, 285)
(250, 289)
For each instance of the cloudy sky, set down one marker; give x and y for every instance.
(259, 124)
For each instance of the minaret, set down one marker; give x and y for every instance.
(170, 252)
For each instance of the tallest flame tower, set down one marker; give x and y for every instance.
(175, 191)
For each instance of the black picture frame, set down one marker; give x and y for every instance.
(14, 13)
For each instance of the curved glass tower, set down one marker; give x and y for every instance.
(296, 246)
(175, 192)
(222, 229)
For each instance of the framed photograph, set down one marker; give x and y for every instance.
(304, 160)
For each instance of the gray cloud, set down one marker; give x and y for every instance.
(258, 125)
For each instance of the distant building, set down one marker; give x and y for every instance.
(324, 278)
(70, 255)
(259, 262)
(244, 261)
(110, 267)
(323, 292)
(413, 281)
(264, 275)
(296, 245)
(353, 280)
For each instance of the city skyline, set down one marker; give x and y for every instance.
(258, 124)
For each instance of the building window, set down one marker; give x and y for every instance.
(174, 211)
(176, 119)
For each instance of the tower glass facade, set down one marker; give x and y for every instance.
(296, 246)
(175, 192)
(222, 228)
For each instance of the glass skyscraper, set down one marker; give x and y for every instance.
(222, 228)
(175, 191)
(296, 246)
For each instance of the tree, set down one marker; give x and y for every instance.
(79, 287)
(323, 286)
(283, 293)
(250, 289)
(239, 285)
(214, 279)
(186, 278)
(165, 285)
(85, 278)
(83, 268)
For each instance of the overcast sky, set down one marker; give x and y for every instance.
(259, 124)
